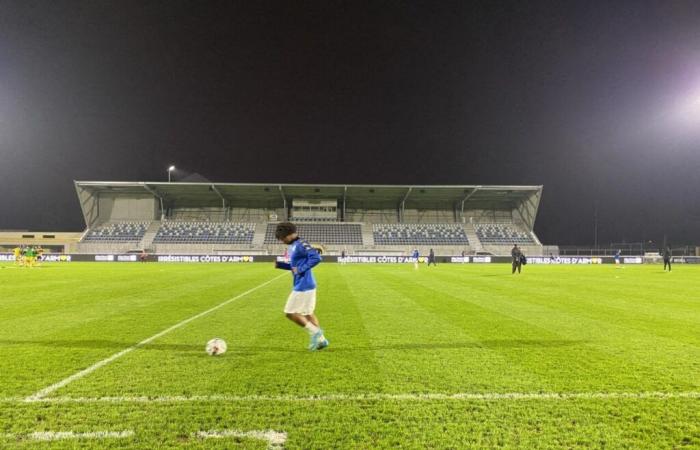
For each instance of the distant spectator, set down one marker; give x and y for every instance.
(668, 254)
(431, 258)
(516, 254)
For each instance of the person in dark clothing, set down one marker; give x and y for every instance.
(431, 258)
(517, 258)
(667, 258)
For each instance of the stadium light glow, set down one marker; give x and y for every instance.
(170, 169)
(686, 113)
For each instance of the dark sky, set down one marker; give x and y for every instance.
(597, 101)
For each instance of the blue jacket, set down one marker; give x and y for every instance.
(303, 257)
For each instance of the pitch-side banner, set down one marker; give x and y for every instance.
(564, 260)
(9, 257)
(381, 259)
(205, 259)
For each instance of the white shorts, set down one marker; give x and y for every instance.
(301, 302)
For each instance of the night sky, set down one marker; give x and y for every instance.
(597, 101)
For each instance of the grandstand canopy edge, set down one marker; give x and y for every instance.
(158, 196)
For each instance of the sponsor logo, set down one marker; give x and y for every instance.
(56, 258)
(563, 260)
(104, 257)
(481, 259)
(378, 259)
(459, 259)
(46, 257)
(206, 258)
(633, 260)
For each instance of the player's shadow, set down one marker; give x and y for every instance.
(104, 344)
(485, 344)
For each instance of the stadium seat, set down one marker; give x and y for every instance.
(322, 233)
(117, 232)
(502, 234)
(419, 234)
(205, 233)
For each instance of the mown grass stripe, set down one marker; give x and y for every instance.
(48, 390)
(409, 396)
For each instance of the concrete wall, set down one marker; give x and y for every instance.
(61, 241)
(114, 208)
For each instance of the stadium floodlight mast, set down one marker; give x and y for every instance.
(170, 170)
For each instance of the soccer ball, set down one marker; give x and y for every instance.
(216, 346)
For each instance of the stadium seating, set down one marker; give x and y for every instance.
(502, 234)
(322, 233)
(117, 232)
(205, 233)
(419, 234)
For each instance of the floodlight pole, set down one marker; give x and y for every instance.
(170, 169)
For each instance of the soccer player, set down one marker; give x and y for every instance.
(18, 255)
(302, 301)
(415, 257)
(516, 254)
(668, 254)
(29, 255)
(617, 257)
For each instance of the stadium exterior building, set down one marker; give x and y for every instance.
(236, 218)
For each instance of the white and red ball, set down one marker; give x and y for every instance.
(216, 346)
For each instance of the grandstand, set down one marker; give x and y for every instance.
(235, 218)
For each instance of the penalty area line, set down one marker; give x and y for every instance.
(274, 439)
(76, 376)
(465, 396)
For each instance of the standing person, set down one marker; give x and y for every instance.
(342, 256)
(143, 256)
(431, 258)
(617, 257)
(302, 301)
(516, 254)
(415, 258)
(18, 255)
(668, 254)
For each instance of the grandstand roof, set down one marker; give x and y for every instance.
(275, 195)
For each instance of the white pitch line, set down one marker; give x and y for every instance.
(66, 435)
(48, 390)
(274, 439)
(432, 396)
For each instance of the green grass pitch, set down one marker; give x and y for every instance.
(454, 356)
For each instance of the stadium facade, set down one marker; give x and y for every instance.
(239, 218)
